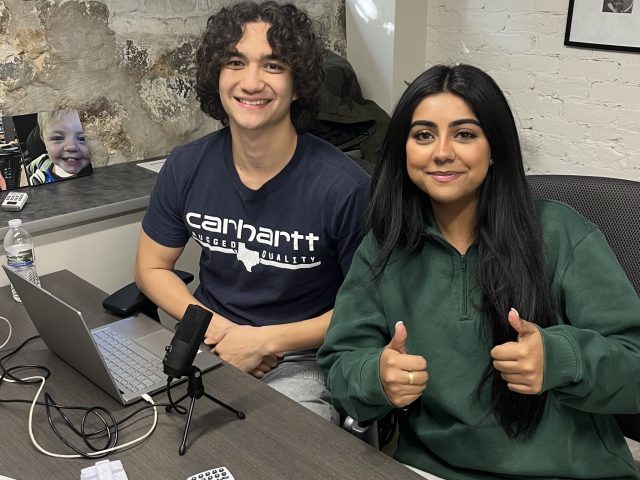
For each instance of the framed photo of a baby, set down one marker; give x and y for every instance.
(66, 152)
(603, 24)
(43, 147)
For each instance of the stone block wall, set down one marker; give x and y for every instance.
(578, 109)
(127, 65)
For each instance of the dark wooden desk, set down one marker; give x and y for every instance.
(278, 440)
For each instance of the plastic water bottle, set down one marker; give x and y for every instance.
(18, 247)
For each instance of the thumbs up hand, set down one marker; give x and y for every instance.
(404, 377)
(399, 340)
(521, 363)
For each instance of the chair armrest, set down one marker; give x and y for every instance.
(380, 434)
(129, 299)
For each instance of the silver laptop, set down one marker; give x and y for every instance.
(124, 358)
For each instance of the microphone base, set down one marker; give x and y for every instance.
(195, 390)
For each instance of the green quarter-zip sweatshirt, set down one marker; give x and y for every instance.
(591, 357)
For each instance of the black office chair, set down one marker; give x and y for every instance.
(11, 165)
(35, 145)
(613, 205)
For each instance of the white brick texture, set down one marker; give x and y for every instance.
(578, 110)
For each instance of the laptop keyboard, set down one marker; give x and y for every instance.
(130, 365)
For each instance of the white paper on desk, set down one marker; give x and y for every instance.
(153, 165)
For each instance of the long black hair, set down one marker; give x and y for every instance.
(511, 270)
(291, 38)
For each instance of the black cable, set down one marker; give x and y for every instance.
(19, 368)
(172, 405)
(111, 439)
(11, 353)
(110, 426)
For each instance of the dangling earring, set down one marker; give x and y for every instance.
(491, 162)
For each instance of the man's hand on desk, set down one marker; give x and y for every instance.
(243, 346)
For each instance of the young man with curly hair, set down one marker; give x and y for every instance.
(277, 211)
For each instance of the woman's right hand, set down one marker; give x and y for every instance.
(404, 377)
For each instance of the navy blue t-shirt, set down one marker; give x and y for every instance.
(269, 256)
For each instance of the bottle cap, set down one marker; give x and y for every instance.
(15, 222)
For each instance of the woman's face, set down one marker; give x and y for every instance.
(448, 154)
(65, 143)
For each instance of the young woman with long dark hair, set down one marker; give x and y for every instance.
(505, 326)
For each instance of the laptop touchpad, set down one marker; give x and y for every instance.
(156, 342)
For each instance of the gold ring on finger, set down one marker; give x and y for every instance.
(410, 377)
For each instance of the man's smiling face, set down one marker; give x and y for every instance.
(256, 88)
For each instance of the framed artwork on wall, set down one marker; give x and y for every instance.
(604, 24)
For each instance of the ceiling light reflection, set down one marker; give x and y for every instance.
(366, 9)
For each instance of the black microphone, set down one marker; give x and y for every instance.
(179, 355)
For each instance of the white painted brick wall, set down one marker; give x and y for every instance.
(578, 110)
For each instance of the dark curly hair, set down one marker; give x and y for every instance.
(291, 38)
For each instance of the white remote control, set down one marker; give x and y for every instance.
(14, 201)
(218, 473)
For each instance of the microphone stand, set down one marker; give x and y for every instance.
(195, 390)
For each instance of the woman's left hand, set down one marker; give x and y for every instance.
(521, 363)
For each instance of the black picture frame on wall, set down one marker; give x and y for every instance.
(604, 24)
